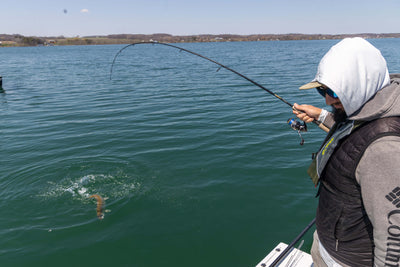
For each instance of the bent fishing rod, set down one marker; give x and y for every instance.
(294, 124)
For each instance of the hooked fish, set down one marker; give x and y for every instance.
(100, 205)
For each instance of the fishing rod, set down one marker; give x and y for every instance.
(300, 127)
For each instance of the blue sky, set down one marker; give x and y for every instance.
(180, 17)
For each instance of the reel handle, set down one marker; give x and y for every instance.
(318, 123)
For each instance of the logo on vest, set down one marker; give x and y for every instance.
(326, 146)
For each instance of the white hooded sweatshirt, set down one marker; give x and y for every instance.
(355, 70)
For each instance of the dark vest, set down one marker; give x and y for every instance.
(342, 223)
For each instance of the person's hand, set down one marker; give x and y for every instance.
(306, 113)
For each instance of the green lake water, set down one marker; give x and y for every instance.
(198, 167)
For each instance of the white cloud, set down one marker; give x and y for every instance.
(84, 10)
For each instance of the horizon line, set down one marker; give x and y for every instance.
(212, 34)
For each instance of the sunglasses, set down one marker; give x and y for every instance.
(326, 91)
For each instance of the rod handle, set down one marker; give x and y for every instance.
(323, 127)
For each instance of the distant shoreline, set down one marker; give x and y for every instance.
(7, 40)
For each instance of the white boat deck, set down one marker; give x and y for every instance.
(294, 258)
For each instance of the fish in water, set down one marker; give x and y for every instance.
(100, 205)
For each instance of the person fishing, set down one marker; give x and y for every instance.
(357, 167)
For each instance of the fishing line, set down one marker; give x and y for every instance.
(206, 58)
(297, 126)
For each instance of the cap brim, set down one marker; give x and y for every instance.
(310, 85)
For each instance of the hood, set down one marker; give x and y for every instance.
(355, 70)
(385, 103)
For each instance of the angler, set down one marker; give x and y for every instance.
(357, 165)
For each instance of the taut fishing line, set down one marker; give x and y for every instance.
(295, 125)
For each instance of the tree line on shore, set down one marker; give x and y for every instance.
(20, 40)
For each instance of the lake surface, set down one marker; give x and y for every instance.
(198, 167)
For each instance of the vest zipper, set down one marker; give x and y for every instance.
(337, 244)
